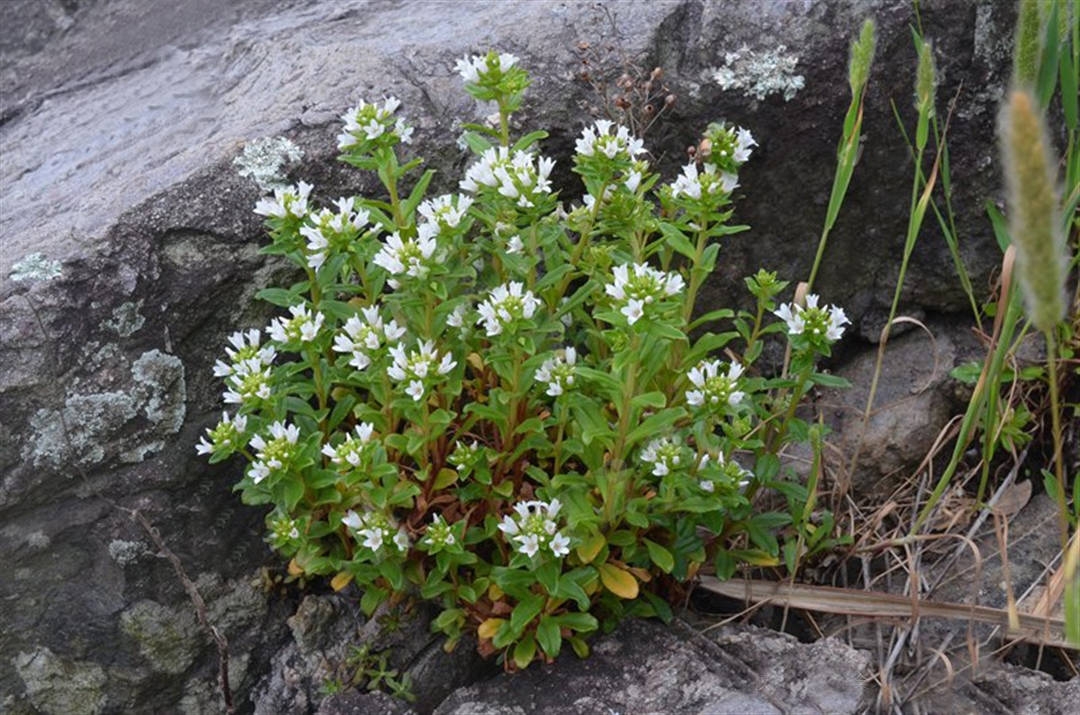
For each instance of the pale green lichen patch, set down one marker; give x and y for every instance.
(162, 377)
(760, 74)
(170, 640)
(90, 420)
(262, 160)
(55, 685)
(126, 319)
(35, 267)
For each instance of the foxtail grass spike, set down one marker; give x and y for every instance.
(1028, 44)
(1033, 209)
(862, 55)
(925, 78)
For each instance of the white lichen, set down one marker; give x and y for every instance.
(35, 267)
(124, 552)
(263, 158)
(57, 685)
(162, 376)
(760, 74)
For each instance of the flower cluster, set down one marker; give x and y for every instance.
(520, 176)
(485, 68)
(249, 381)
(304, 326)
(439, 536)
(715, 388)
(329, 230)
(634, 287)
(245, 346)
(505, 305)
(727, 147)
(445, 211)
(558, 372)
(409, 256)
(283, 530)
(226, 437)
(361, 337)
(350, 453)
(466, 456)
(534, 528)
(273, 455)
(374, 529)
(598, 140)
(369, 122)
(729, 473)
(288, 201)
(694, 184)
(820, 326)
(663, 454)
(417, 366)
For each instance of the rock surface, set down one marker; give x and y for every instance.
(644, 667)
(130, 251)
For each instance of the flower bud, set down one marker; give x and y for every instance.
(1028, 45)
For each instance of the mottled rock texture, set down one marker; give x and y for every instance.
(129, 251)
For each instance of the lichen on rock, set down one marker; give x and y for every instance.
(263, 158)
(169, 639)
(35, 267)
(55, 685)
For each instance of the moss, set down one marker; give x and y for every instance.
(169, 639)
(59, 686)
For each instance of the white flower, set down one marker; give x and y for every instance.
(418, 367)
(819, 324)
(401, 540)
(363, 337)
(633, 181)
(694, 184)
(534, 528)
(368, 122)
(227, 436)
(245, 346)
(456, 319)
(505, 305)
(560, 545)
(273, 453)
(715, 388)
(519, 175)
(663, 454)
(633, 287)
(287, 201)
(249, 382)
(332, 231)
(375, 529)
(446, 211)
(596, 140)
(303, 326)
(350, 453)
(514, 244)
(558, 372)
(469, 68)
(411, 256)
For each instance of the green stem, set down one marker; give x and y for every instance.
(559, 437)
(629, 386)
(1055, 421)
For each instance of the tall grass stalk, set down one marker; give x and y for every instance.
(924, 96)
(861, 59)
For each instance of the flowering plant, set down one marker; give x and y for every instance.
(508, 407)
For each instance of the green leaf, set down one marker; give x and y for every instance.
(418, 192)
(820, 378)
(655, 424)
(371, 599)
(526, 610)
(528, 140)
(678, 240)
(549, 635)
(278, 296)
(660, 556)
(524, 651)
(711, 317)
(652, 400)
(580, 622)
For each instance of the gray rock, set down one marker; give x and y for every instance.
(644, 667)
(130, 249)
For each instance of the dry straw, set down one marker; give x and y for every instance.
(1033, 209)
